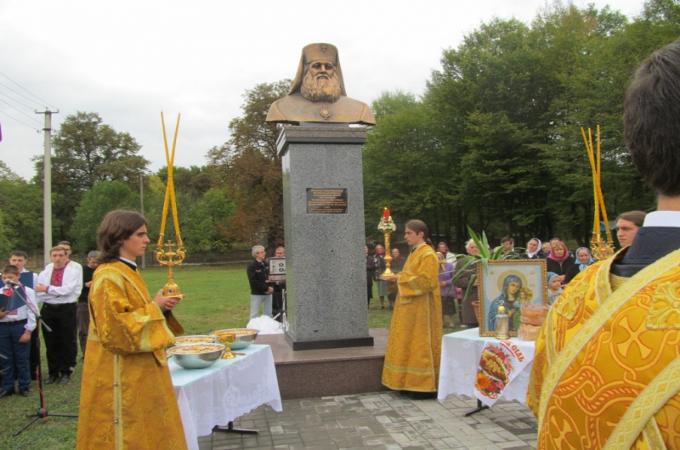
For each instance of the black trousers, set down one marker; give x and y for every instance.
(61, 343)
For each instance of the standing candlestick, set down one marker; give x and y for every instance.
(387, 227)
(167, 252)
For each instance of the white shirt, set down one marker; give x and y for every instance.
(24, 312)
(662, 219)
(70, 288)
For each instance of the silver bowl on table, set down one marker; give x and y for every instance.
(244, 336)
(195, 339)
(196, 356)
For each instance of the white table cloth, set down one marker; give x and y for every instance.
(460, 357)
(224, 391)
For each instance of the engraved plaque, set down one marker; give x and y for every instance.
(326, 201)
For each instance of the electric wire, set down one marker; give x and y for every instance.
(35, 97)
(16, 100)
(32, 127)
(32, 118)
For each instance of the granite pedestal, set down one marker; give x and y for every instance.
(323, 204)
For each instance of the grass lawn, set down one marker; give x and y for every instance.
(215, 297)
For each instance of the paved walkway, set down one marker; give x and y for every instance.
(382, 420)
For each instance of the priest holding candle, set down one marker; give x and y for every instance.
(414, 345)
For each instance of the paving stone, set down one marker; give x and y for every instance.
(383, 420)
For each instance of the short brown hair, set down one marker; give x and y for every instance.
(117, 226)
(418, 226)
(58, 248)
(11, 270)
(651, 114)
(637, 217)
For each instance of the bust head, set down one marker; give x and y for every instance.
(317, 93)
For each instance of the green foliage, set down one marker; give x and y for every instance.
(21, 206)
(100, 199)
(87, 151)
(206, 224)
(250, 166)
(6, 244)
(495, 141)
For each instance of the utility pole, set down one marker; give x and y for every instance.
(141, 207)
(47, 184)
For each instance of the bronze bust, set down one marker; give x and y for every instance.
(317, 93)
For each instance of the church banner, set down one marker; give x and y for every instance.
(499, 363)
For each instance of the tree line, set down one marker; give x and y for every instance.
(493, 143)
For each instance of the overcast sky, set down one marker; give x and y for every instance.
(128, 60)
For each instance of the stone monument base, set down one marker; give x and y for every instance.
(338, 371)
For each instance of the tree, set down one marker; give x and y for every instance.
(102, 198)
(87, 151)
(206, 227)
(21, 206)
(250, 165)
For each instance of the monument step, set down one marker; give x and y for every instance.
(324, 372)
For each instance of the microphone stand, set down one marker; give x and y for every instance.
(42, 412)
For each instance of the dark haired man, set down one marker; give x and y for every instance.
(607, 365)
(414, 344)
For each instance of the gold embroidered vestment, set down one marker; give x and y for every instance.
(127, 400)
(414, 344)
(606, 372)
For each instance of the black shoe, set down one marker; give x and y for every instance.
(24, 392)
(421, 395)
(64, 379)
(4, 393)
(53, 379)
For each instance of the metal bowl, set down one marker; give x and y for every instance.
(198, 359)
(195, 339)
(244, 336)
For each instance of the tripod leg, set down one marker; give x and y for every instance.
(230, 429)
(35, 419)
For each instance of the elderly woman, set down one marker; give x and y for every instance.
(469, 295)
(534, 249)
(258, 278)
(583, 260)
(126, 397)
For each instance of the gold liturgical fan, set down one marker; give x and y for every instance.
(169, 253)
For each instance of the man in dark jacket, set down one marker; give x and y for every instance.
(260, 291)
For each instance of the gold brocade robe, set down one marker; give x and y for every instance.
(606, 372)
(127, 400)
(414, 343)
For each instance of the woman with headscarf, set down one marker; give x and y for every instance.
(559, 260)
(510, 298)
(534, 249)
(583, 260)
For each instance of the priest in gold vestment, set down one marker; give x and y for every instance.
(414, 344)
(606, 372)
(127, 400)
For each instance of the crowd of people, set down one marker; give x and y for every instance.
(54, 295)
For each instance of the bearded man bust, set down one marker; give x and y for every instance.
(317, 93)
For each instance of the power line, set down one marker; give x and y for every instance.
(32, 118)
(19, 94)
(32, 127)
(39, 99)
(9, 97)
